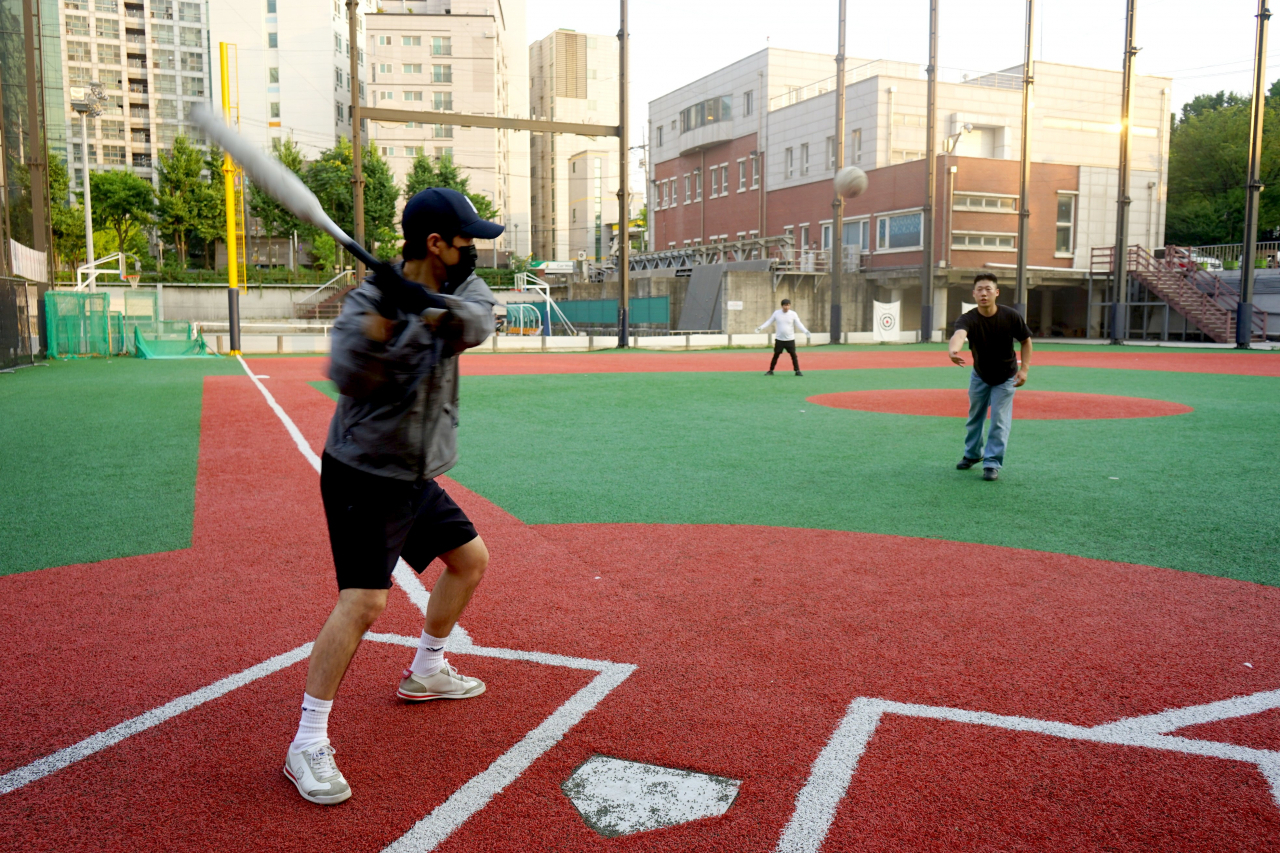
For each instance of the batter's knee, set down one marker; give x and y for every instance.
(469, 561)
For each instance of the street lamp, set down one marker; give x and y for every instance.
(948, 146)
(87, 102)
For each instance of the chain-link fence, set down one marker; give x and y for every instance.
(16, 315)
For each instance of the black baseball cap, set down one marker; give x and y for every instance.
(446, 212)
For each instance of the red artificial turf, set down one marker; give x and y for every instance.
(1027, 405)
(749, 642)
(480, 363)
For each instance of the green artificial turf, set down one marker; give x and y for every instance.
(98, 459)
(1192, 492)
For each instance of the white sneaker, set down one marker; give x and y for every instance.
(446, 683)
(314, 772)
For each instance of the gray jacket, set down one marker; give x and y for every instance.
(398, 413)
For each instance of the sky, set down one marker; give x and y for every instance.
(674, 42)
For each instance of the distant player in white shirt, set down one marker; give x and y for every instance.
(784, 322)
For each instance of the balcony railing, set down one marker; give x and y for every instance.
(907, 70)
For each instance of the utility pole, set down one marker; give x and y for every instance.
(1120, 257)
(1024, 213)
(357, 170)
(37, 150)
(837, 203)
(930, 179)
(624, 200)
(1253, 189)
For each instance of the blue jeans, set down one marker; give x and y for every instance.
(1000, 399)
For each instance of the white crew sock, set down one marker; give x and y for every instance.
(430, 656)
(314, 725)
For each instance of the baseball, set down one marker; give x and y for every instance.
(851, 182)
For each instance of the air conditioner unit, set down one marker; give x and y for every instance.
(582, 256)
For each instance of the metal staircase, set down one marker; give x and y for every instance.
(1205, 300)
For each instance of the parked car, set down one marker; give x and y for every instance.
(1205, 262)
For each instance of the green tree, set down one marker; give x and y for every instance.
(329, 177)
(187, 196)
(276, 220)
(380, 195)
(1208, 161)
(443, 172)
(66, 217)
(122, 202)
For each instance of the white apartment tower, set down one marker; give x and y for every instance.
(152, 58)
(464, 56)
(292, 67)
(572, 77)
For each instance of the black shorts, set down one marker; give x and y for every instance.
(374, 521)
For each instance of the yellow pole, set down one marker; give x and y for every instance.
(229, 186)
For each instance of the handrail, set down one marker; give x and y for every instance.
(305, 300)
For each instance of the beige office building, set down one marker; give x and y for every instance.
(572, 77)
(464, 56)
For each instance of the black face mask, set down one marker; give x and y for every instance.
(456, 274)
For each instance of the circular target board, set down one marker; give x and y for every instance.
(888, 322)
(1027, 405)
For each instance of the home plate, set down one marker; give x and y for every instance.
(617, 797)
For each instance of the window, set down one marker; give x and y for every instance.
(337, 111)
(78, 51)
(77, 25)
(897, 156)
(106, 6)
(114, 107)
(109, 54)
(163, 59)
(384, 95)
(409, 41)
(193, 87)
(983, 241)
(413, 96)
(687, 195)
(387, 151)
(166, 108)
(337, 42)
(858, 233)
(441, 46)
(160, 9)
(275, 109)
(189, 12)
(789, 161)
(748, 104)
(724, 179)
(442, 131)
(110, 79)
(337, 77)
(192, 62)
(447, 154)
(442, 100)
(187, 37)
(411, 68)
(909, 120)
(707, 112)
(986, 203)
(1066, 224)
(112, 129)
(78, 76)
(75, 5)
(659, 136)
(166, 84)
(855, 145)
(106, 28)
(742, 175)
(898, 231)
(442, 74)
(804, 159)
(826, 237)
(271, 7)
(273, 75)
(161, 34)
(384, 41)
(715, 182)
(831, 153)
(384, 67)
(113, 155)
(697, 186)
(665, 188)
(755, 172)
(273, 40)
(804, 237)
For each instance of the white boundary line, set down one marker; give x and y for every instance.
(476, 793)
(833, 770)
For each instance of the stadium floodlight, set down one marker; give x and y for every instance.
(87, 102)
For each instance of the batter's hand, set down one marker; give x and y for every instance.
(1022, 378)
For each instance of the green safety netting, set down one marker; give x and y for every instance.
(79, 324)
(655, 310)
(169, 339)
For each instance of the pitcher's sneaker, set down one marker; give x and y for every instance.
(314, 772)
(443, 684)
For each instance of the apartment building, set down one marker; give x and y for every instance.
(729, 165)
(464, 56)
(291, 72)
(572, 77)
(153, 60)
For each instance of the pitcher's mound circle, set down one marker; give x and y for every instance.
(1027, 405)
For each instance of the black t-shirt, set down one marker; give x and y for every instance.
(991, 342)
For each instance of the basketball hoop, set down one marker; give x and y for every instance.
(133, 280)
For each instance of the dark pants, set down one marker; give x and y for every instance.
(785, 346)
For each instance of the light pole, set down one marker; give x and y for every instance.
(87, 104)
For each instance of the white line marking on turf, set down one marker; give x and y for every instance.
(476, 793)
(833, 770)
(63, 758)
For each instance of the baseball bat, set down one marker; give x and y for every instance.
(276, 180)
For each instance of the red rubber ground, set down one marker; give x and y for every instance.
(508, 364)
(1027, 404)
(749, 642)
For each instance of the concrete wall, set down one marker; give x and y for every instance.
(207, 303)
